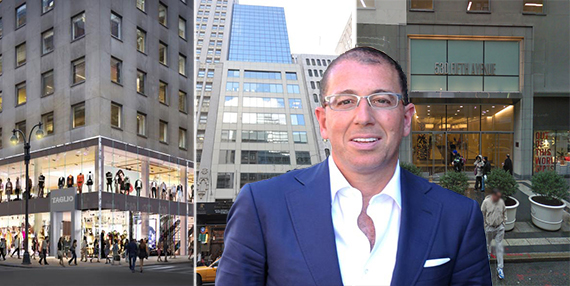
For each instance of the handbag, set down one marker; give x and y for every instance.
(59, 254)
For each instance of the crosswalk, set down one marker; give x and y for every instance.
(181, 268)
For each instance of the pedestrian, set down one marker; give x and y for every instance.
(95, 250)
(172, 249)
(508, 165)
(486, 170)
(478, 172)
(107, 252)
(159, 250)
(165, 249)
(44, 250)
(60, 250)
(84, 249)
(73, 253)
(35, 247)
(3, 248)
(66, 246)
(457, 162)
(17, 243)
(495, 216)
(143, 252)
(131, 250)
(116, 255)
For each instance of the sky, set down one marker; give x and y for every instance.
(314, 26)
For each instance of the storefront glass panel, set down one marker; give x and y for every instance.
(552, 151)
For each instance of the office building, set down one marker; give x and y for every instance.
(487, 77)
(111, 85)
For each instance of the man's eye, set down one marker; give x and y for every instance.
(345, 102)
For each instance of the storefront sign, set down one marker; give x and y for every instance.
(62, 200)
(464, 69)
(544, 158)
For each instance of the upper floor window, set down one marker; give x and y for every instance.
(78, 115)
(21, 16)
(479, 5)
(47, 121)
(533, 6)
(116, 24)
(116, 70)
(162, 53)
(1, 28)
(181, 64)
(78, 70)
(141, 5)
(47, 41)
(47, 5)
(162, 92)
(21, 54)
(162, 14)
(182, 28)
(78, 26)
(421, 4)
(21, 95)
(141, 40)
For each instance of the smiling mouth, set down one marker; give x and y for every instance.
(365, 140)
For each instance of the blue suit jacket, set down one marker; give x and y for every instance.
(280, 232)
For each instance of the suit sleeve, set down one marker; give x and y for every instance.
(472, 265)
(243, 261)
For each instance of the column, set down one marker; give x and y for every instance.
(55, 230)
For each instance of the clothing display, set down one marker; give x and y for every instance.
(153, 187)
(41, 185)
(109, 177)
(17, 188)
(1, 190)
(138, 187)
(8, 188)
(117, 182)
(61, 182)
(80, 180)
(89, 181)
(163, 191)
(70, 181)
(180, 193)
(127, 186)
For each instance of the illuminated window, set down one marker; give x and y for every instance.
(21, 95)
(116, 70)
(162, 92)
(141, 5)
(421, 4)
(141, 124)
(47, 122)
(163, 128)
(162, 53)
(478, 5)
(141, 40)
(78, 26)
(162, 14)
(21, 54)
(78, 70)
(533, 6)
(116, 112)
(47, 83)
(141, 78)
(181, 138)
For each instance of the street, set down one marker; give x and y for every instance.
(533, 273)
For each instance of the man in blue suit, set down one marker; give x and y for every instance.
(357, 218)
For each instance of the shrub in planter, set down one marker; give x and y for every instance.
(455, 181)
(504, 181)
(551, 187)
(412, 169)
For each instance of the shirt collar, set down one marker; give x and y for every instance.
(339, 182)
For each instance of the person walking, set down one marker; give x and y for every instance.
(478, 172)
(84, 249)
(495, 216)
(95, 250)
(486, 170)
(143, 252)
(107, 251)
(60, 250)
(165, 249)
(73, 253)
(159, 250)
(35, 247)
(17, 243)
(44, 250)
(3, 248)
(508, 165)
(116, 255)
(132, 250)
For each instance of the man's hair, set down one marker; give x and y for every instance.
(367, 56)
(496, 191)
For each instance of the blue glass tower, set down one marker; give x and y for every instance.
(259, 34)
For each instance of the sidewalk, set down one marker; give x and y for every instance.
(54, 263)
(527, 242)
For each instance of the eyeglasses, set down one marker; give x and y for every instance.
(346, 102)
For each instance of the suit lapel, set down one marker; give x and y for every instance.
(419, 221)
(310, 209)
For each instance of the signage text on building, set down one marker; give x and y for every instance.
(445, 68)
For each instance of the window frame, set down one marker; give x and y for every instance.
(144, 125)
(143, 8)
(165, 24)
(163, 124)
(120, 28)
(25, 54)
(44, 52)
(421, 10)
(165, 102)
(119, 67)
(18, 87)
(143, 82)
(165, 63)
(43, 87)
(73, 115)
(184, 68)
(25, 16)
(185, 32)
(144, 40)
(74, 65)
(74, 36)
(183, 138)
(44, 121)
(49, 8)
(119, 108)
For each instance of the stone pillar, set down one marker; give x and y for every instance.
(55, 231)
(76, 231)
(145, 177)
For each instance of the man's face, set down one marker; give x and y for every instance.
(386, 127)
(496, 197)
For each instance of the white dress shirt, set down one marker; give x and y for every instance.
(359, 265)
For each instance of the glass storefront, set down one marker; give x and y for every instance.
(469, 129)
(551, 151)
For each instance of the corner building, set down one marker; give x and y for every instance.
(487, 77)
(110, 82)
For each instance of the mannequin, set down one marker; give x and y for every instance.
(61, 182)
(109, 177)
(29, 194)
(41, 185)
(89, 181)
(154, 187)
(17, 188)
(117, 182)
(163, 191)
(80, 180)
(138, 187)
(180, 194)
(1, 190)
(70, 181)
(127, 186)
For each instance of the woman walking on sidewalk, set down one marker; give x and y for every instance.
(95, 250)
(73, 253)
(60, 249)
(84, 249)
(44, 250)
(3, 248)
(143, 253)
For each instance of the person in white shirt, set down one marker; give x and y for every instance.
(495, 215)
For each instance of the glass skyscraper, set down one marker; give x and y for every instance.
(259, 34)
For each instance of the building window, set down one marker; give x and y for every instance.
(318, 62)
(116, 70)
(533, 6)
(21, 16)
(47, 83)
(141, 124)
(264, 118)
(297, 119)
(227, 157)
(265, 157)
(21, 95)
(300, 137)
(181, 138)
(22, 127)
(208, 87)
(225, 181)
(162, 14)
(141, 5)
(265, 102)
(201, 73)
(181, 64)
(210, 73)
(162, 53)
(421, 4)
(182, 28)
(293, 88)
(78, 119)
(47, 122)
(181, 101)
(229, 117)
(262, 74)
(203, 118)
(116, 24)
(291, 75)
(246, 178)
(21, 54)
(233, 73)
(163, 128)
(363, 4)
(162, 92)
(78, 70)
(200, 136)
(303, 157)
(228, 136)
(0, 101)
(141, 78)
(232, 86)
(478, 5)
(141, 40)
(295, 103)
(0, 138)
(262, 87)
(116, 112)
(315, 98)
(231, 101)
(78, 26)
(47, 41)
(257, 136)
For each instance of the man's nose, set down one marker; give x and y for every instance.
(364, 113)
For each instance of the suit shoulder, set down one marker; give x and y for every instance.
(276, 185)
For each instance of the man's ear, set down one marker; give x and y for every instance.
(320, 112)
(409, 111)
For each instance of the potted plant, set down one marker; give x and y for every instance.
(455, 181)
(504, 181)
(412, 169)
(547, 207)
